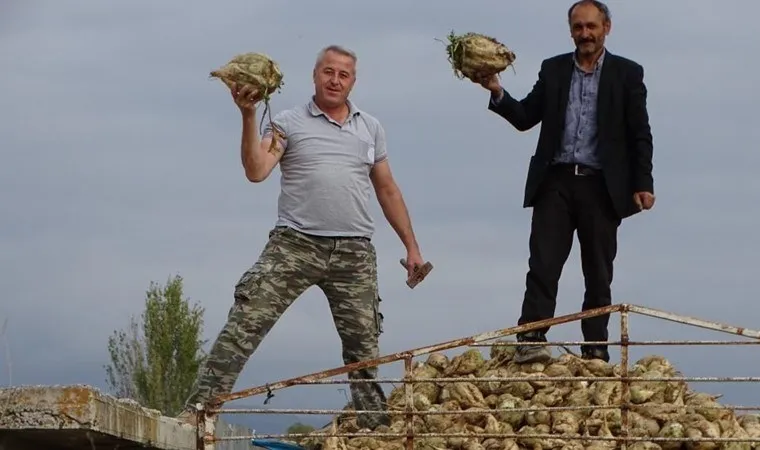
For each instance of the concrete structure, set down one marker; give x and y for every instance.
(81, 417)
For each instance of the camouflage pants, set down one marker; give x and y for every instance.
(291, 262)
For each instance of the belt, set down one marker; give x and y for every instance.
(334, 238)
(578, 169)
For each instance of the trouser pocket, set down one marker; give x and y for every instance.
(378, 315)
(250, 281)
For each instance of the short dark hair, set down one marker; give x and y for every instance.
(606, 17)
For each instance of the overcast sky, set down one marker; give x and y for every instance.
(120, 165)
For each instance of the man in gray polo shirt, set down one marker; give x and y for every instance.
(331, 155)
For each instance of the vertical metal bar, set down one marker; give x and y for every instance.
(625, 397)
(409, 394)
(205, 428)
(200, 426)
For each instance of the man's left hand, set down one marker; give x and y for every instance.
(644, 200)
(413, 260)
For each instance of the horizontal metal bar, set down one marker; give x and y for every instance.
(468, 411)
(400, 412)
(643, 343)
(443, 380)
(701, 323)
(616, 343)
(487, 435)
(415, 352)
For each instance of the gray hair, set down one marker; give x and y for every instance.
(335, 49)
(606, 16)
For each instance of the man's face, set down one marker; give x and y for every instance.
(588, 29)
(334, 78)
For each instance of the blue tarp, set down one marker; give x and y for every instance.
(271, 444)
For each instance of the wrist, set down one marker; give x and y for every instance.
(249, 115)
(412, 247)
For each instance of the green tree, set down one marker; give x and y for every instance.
(299, 428)
(156, 359)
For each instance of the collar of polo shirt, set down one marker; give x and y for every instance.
(315, 111)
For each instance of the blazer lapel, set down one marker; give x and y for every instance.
(603, 94)
(565, 76)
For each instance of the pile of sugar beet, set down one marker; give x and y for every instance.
(666, 409)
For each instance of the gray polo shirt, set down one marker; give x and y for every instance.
(325, 184)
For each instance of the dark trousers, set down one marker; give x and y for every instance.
(566, 203)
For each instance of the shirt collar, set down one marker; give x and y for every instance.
(599, 62)
(315, 111)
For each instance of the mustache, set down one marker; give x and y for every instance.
(586, 40)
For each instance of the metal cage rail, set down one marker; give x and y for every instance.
(208, 413)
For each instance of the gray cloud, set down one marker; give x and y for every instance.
(121, 166)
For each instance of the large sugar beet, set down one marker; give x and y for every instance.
(477, 56)
(259, 71)
(255, 69)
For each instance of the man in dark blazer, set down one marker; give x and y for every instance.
(592, 168)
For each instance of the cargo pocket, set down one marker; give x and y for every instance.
(372, 264)
(249, 283)
(378, 316)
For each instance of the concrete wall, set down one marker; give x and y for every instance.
(55, 440)
(81, 417)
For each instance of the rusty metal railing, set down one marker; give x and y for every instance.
(207, 413)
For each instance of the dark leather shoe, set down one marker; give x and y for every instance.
(595, 353)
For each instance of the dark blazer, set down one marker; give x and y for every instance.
(625, 138)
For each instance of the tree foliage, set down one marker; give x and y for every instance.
(156, 359)
(299, 428)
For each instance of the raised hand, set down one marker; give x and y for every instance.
(245, 97)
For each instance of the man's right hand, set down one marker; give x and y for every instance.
(245, 97)
(491, 84)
